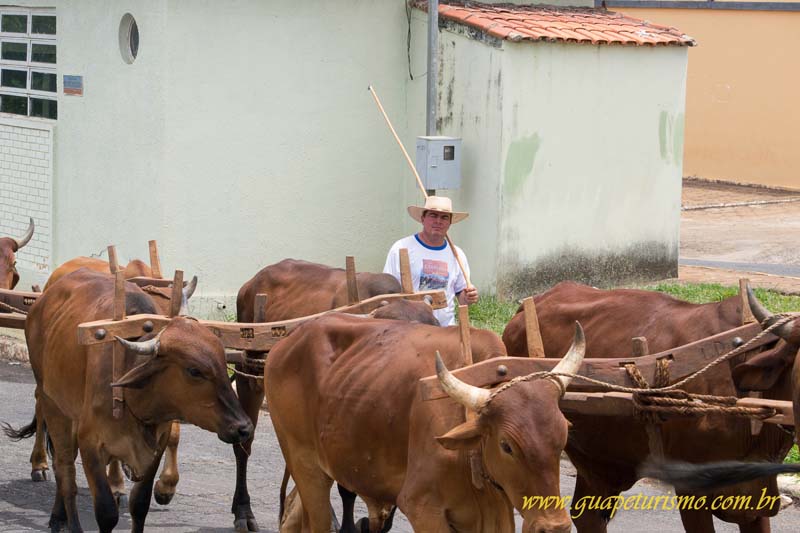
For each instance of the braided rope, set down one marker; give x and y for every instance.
(783, 318)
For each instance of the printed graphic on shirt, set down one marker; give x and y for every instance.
(433, 276)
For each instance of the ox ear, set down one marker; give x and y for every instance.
(137, 377)
(463, 437)
(762, 372)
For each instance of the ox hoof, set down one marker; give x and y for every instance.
(162, 497)
(362, 526)
(243, 525)
(39, 475)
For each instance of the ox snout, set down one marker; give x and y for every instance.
(237, 432)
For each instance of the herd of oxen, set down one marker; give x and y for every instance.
(344, 399)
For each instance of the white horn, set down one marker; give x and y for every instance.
(428, 299)
(571, 362)
(186, 293)
(471, 397)
(25, 239)
(142, 348)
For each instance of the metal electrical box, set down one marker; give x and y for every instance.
(439, 162)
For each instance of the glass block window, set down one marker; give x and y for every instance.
(28, 56)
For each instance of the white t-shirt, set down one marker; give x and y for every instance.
(432, 268)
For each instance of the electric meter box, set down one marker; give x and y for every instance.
(439, 162)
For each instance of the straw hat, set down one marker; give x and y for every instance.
(440, 204)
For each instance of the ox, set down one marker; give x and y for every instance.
(180, 373)
(8, 261)
(297, 288)
(344, 400)
(168, 480)
(135, 268)
(607, 466)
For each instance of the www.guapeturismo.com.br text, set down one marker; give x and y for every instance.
(641, 502)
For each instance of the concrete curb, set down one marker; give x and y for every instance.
(13, 349)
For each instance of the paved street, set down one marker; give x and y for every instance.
(202, 503)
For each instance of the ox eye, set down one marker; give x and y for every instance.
(193, 372)
(506, 447)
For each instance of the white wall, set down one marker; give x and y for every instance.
(274, 145)
(242, 134)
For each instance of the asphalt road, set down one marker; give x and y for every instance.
(202, 503)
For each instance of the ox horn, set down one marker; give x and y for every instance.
(25, 239)
(765, 317)
(571, 362)
(187, 292)
(142, 347)
(471, 397)
(428, 299)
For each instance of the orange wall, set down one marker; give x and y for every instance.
(743, 93)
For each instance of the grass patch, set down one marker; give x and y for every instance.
(701, 293)
(793, 456)
(492, 313)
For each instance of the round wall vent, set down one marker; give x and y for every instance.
(128, 38)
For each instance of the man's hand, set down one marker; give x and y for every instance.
(468, 296)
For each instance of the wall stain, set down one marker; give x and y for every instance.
(670, 137)
(642, 262)
(519, 163)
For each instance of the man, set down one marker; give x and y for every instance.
(433, 265)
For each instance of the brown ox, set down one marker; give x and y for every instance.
(345, 404)
(178, 374)
(134, 269)
(168, 480)
(8, 261)
(297, 288)
(608, 465)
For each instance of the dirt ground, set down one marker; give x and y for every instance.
(754, 238)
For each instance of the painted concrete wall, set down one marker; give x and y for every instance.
(591, 171)
(241, 135)
(741, 108)
(578, 174)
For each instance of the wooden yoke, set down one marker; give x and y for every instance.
(652, 427)
(155, 262)
(260, 309)
(747, 314)
(532, 332)
(406, 281)
(475, 464)
(176, 298)
(118, 354)
(352, 284)
(113, 265)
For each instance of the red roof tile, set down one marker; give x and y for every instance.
(558, 24)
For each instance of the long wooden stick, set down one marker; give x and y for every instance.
(419, 180)
(396, 138)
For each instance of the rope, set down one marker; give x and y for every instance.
(669, 398)
(246, 375)
(12, 308)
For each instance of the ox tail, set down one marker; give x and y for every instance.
(706, 476)
(284, 484)
(24, 432)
